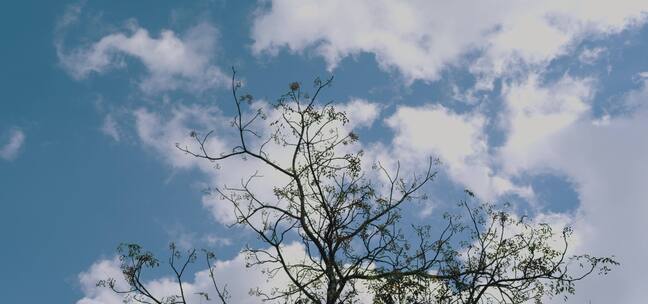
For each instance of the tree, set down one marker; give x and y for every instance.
(347, 217)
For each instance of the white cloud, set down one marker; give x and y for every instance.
(421, 38)
(161, 132)
(453, 136)
(608, 165)
(636, 99)
(186, 240)
(537, 112)
(606, 161)
(110, 128)
(13, 145)
(360, 112)
(100, 270)
(457, 139)
(215, 240)
(591, 55)
(70, 16)
(171, 61)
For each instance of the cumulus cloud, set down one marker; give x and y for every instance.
(361, 112)
(607, 164)
(635, 99)
(171, 61)
(609, 171)
(160, 131)
(459, 140)
(454, 136)
(536, 112)
(9, 151)
(421, 38)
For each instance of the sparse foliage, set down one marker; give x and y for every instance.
(345, 221)
(502, 259)
(134, 261)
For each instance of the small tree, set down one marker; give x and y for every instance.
(347, 225)
(347, 219)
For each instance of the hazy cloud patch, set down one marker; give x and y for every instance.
(11, 148)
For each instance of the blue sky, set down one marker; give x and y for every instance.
(539, 104)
